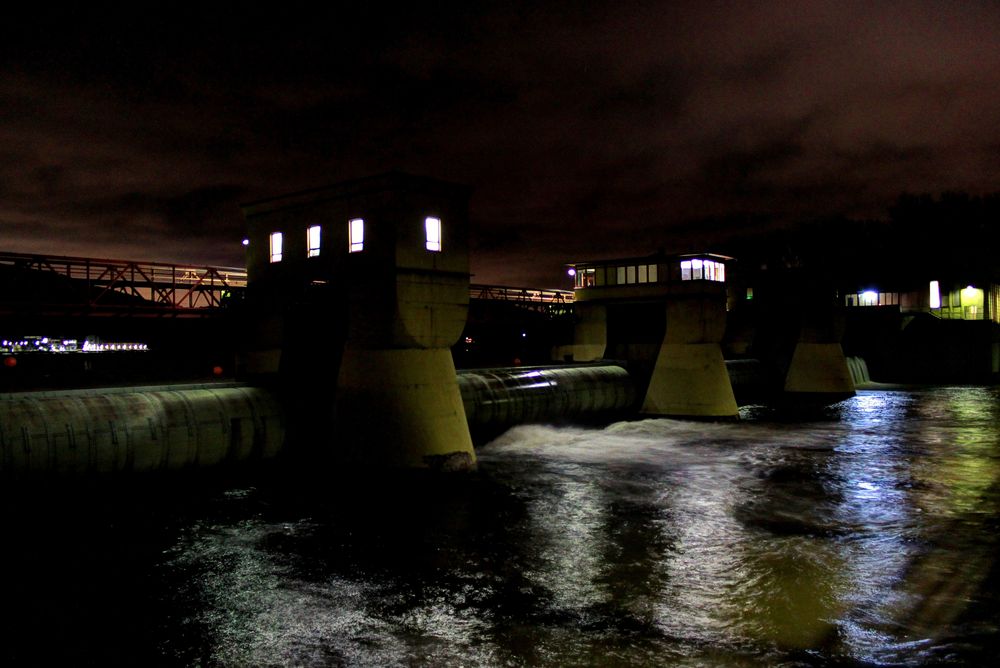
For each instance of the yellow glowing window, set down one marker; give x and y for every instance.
(630, 274)
(433, 228)
(356, 235)
(312, 237)
(276, 247)
(935, 296)
(643, 276)
(652, 273)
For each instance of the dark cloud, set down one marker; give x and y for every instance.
(585, 129)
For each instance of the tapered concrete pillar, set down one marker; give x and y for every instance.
(689, 378)
(818, 366)
(403, 408)
(590, 335)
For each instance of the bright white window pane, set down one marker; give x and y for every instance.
(356, 235)
(313, 239)
(935, 294)
(276, 247)
(697, 269)
(720, 274)
(433, 227)
(686, 270)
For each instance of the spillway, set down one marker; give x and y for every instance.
(502, 397)
(137, 429)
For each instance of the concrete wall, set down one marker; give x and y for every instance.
(136, 430)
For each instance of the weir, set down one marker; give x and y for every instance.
(120, 431)
(129, 430)
(355, 295)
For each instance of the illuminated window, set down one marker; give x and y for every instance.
(643, 276)
(356, 235)
(275, 246)
(630, 274)
(749, 293)
(433, 228)
(652, 273)
(935, 297)
(586, 278)
(697, 270)
(621, 275)
(312, 237)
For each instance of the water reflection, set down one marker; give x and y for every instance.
(862, 534)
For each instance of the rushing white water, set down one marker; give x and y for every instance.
(860, 534)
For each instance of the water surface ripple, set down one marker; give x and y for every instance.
(864, 533)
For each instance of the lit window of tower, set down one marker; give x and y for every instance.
(356, 235)
(275, 246)
(313, 239)
(433, 227)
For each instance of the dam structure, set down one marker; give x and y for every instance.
(666, 315)
(355, 296)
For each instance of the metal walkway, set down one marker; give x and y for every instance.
(546, 301)
(53, 284)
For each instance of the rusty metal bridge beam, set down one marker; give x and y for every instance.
(170, 287)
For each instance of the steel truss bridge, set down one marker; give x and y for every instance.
(61, 285)
(551, 302)
(65, 285)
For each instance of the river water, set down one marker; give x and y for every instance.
(864, 533)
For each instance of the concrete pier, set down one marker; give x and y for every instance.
(665, 315)
(690, 378)
(388, 256)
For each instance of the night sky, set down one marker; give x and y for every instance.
(587, 130)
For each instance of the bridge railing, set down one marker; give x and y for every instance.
(159, 284)
(525, 295)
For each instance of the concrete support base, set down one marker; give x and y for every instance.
(402, 408)
(690, 380)
(819, 368)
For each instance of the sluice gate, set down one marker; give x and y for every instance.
(136, 430)
(496, 398)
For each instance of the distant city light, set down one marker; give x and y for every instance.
(45, 344)
(571, 271)
(246, 242)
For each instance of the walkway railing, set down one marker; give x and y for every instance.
(525, 295)
(551, 302)
(103, 285)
